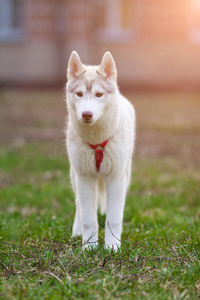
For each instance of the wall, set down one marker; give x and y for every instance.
(151, 42)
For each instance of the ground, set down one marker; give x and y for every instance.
(160, 254)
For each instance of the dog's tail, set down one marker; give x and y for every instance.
(102, 199)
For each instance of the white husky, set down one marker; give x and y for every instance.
(100, 142)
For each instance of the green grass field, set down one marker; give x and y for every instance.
(160, 254)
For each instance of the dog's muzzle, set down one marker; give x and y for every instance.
(87, 116)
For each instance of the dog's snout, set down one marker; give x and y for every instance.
(87, 115)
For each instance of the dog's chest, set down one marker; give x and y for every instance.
(90, 161)
(85, 159)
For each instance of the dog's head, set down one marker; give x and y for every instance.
(91, 89)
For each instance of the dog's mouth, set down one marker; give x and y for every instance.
(87, 121)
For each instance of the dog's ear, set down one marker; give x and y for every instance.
(107, 68)
(75, 66)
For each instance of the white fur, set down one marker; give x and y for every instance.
(113, 118)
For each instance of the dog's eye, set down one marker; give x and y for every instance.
(99, 95)
(79, 94)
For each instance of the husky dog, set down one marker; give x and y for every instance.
(100, 142)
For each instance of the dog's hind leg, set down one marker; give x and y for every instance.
(101, 195)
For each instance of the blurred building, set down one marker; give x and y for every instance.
(156, 43)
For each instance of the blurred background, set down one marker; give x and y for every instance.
(156, 46)
(156, 43)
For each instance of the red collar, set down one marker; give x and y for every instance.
(98, 153)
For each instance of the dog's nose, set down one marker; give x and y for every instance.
(87, 115)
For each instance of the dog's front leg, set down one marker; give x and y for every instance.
(77, 230)
(116, 193)
(86, 189)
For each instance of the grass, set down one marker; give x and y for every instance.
(160, 254)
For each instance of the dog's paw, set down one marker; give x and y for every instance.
(90, 245)
(76, 231)
(112, 247)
